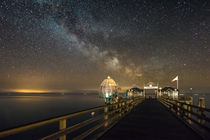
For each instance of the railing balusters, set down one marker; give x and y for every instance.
(201, 103)
(106, 116)
(189, 108)
(110, 116)
(182, 111)
(186, 111)
(120, 110)
(177, 108)
(62, 125)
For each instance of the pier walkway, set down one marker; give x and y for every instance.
(137, 118)
(150, 121)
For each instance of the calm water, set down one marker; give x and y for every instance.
(18, 110)
(197, 96)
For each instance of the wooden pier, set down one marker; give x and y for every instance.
(151, 121)
(135, 118)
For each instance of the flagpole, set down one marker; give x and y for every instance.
(178, 85)
(177, 82)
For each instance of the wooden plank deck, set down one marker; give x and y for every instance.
(150, 121)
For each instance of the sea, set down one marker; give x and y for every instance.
(196, 97)
(21, 108)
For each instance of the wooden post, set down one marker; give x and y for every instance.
(132, 103)
(106, 116)
(182, 111)
(189, 108)
(62, 125)
(116, 107)
(201, 103)
(177, 108)
(127, 105)
(120, 111)
(123, 107)
(169, 106)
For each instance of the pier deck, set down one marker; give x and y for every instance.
(151, 121)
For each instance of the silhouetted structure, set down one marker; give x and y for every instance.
(108, 90)
(134, 92)
(170, 92)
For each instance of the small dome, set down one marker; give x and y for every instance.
(108, 82)
(108, 88)
(150, 84)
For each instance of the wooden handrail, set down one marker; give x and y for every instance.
(88, 132)
(121, 107)
(41, 123)
(186, 114)
(75, 127)
(192, 112)
(194, 106)
(70, 129)
(195, 121)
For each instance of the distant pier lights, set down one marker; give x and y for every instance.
(134, 92)
(108, 90)
(170, 92)
(154, 91)
(150, 90)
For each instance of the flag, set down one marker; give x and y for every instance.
(175, 79)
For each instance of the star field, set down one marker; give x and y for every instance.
(75, 44)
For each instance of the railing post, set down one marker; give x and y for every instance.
(185, 112)
(127, 105)
(182, 112)
(189, 108)
(106, 116)
(62, 125)
(189, 114)
(164, 100)
(177, 108)
(120, 109)
(201, 103)
(116, 107)
(132, 103)
(123, 107)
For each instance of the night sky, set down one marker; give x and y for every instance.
(74, 44)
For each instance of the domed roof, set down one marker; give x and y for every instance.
(108, 82)
(150, 84)
(168, 89)
(136, 89)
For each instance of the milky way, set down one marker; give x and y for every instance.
(75, 44)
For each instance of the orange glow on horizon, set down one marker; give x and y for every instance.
(30, 91)
(35, 91)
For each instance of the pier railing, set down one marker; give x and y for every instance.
(191, 114)
(102, 117)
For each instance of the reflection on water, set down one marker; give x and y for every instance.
(18, 110)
